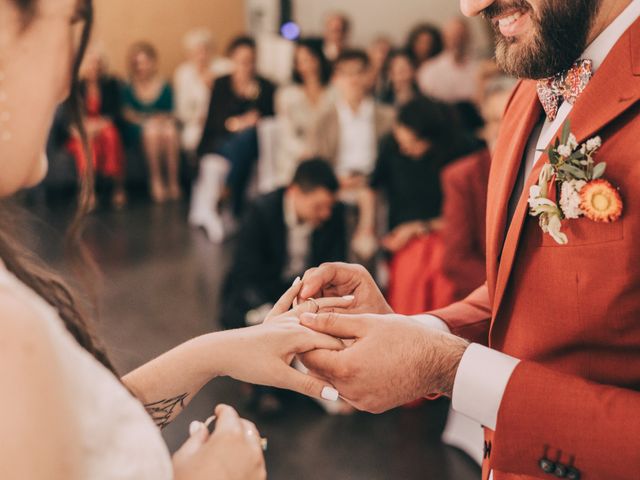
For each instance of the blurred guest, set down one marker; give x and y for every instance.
(348, 133)
(424, 43)
(453, 75)
(337, 28)
(148, 110)
(102, 103)
(408, 174)
(465, 199)
(192, 83)
(378, 52)
(402, 86)
(283, 234)
(299, 105)
(229, 145)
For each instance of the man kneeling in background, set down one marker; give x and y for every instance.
(282, 235)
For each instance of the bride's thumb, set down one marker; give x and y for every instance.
(310, 386)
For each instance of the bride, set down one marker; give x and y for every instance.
(64, 413)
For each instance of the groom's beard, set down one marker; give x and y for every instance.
(560, 33)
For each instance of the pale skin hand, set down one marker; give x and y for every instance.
(231, 452)
(340, 279)
(261, 355)
(392, 360)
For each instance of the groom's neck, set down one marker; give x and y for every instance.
(609, 10)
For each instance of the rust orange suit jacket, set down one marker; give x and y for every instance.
(571, 313)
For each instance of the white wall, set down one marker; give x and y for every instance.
(390, 17)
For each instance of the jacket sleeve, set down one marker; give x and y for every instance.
(465, 263)
(591, 427)
(251, 272)
(469, 318)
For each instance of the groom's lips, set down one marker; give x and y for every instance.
(513, 23)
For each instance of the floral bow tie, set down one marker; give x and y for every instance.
(565, 86)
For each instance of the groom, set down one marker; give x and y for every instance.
(557, 388)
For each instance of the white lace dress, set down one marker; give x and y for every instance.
(119, 440)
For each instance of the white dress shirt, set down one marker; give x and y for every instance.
(445, 79)
(192, 99)
(483, 373)
(357, 149)
(298, 240)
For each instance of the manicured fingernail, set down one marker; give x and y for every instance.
(330, 394)
(310, 317)
(296, 281)
(349, 298)
(195, 427)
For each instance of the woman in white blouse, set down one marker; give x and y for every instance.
(192, 84)
(299, 105)
(65, 415)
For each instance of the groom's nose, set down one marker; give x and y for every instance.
(471, 8)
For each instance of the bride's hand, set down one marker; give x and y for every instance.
(263, 354)
(231, 452)
(285, 306)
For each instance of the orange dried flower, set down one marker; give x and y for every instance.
(600, 201)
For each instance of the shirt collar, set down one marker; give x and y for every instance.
(598, 50)
(366, 108)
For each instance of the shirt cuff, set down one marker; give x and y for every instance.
(433, 322)
(480, 382)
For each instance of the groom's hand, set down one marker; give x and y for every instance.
(393, 360)
(340, 279)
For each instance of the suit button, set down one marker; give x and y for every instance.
(573, 474)
(547, 466)
(560, 471)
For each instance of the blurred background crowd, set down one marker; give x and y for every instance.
(299, 148)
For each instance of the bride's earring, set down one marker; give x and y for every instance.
(5, 116)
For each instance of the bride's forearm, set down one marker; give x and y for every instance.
(167, 384)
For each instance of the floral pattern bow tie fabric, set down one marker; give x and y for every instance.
(565, 86)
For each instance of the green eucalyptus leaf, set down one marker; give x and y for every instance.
(566, 131)
(598, 170)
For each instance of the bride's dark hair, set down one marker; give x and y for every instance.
(23, 263)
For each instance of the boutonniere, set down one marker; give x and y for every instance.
(571, 185)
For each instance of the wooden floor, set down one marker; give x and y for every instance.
(161, 286)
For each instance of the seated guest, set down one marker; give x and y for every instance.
(102, 103)
(348, 134)
(337, 28)
(229, 146)
(378, 52)
(299, 105)
(453, 75)
(148, 110)
(423, 44)
(464, 184)
(192, 84)
(402, 86)
(408, 174)
(283, 234)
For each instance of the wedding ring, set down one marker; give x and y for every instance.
(313, 300)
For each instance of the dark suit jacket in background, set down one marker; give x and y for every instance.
(256, 277)
(225, 104)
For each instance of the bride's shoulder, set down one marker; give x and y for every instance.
(21, 323)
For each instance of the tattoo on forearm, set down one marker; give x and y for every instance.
(162, 411)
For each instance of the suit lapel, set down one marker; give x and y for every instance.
(614, 88)
(523, 113)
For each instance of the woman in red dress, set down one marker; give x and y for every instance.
(102, 108)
